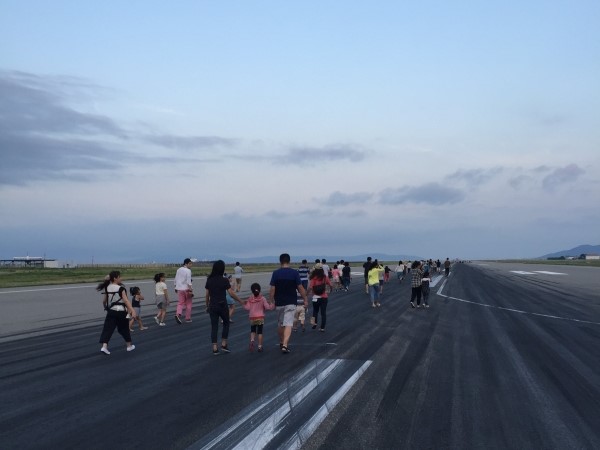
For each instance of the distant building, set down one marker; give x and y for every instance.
(30, 261)
(592, 256)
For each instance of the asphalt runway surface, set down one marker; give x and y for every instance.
(508, 356)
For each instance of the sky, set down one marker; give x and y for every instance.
(145, 131)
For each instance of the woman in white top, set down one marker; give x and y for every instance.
(118, 311)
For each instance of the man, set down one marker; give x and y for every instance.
(303, 271)
(285, 281)
(367, 267)
(237, 270)
(447, 266)
(183, 287)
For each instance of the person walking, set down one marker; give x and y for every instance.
(257, 304)
(319, 287)
(118, 311)
(285, 281)
(346, 276)
(237, 272)
(367, 266)
(161, 297)
(416, 281)
(447, 266)
(425, 288)
(400, 271)
(373, 281)
(303, 270)
(136, 299)
(217, 286)
(185, 294)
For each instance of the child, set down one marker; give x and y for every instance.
(230, 302)
(136, 298)
(425, 288)
(300, 314)
(336, 278)
(162, 298)
(257, 304)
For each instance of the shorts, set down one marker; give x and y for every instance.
(161, 302)
(230, 300)
(300, 313)
(285, 315)
(137, 310)
(257, 321)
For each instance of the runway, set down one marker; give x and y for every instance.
(501, 360)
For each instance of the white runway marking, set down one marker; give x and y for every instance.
(258, 424)
(535, 272)
(439, 292)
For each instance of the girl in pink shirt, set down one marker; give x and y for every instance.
(257, 305)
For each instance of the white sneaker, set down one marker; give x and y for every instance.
(131, 348)
(162, 324)
(156, 320)
(105, 351)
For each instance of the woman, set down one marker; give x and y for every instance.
(416, 281)
(374, 286)
(317, 287)
(118, 311)
(217, 287)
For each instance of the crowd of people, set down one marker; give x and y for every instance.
(289, 292)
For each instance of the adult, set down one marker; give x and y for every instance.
(117, 308)
(185, 294)
(319, 286)
(415, 284)
(303, 271)
(447, 266)
(346, 276)
(400, 271)
(326, 267)
(237, 273)
(438, 266)
(217, 287)
(285, 281)
(367, 266)
(375, 286)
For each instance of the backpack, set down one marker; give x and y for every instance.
(318, 289)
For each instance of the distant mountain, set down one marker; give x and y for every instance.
(581, 249)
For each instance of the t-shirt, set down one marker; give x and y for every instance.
(160, 288)
(135, 303)
(217, 289)
(183, 278)
(303, 272)
(286, 281)
(237, 270)
(118, 292)
(346, 271)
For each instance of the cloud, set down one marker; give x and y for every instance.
(562, 175)
(310, 156)
(519, 181)
(430, 193)
(189, 142)
(474, 177)
(338, 198)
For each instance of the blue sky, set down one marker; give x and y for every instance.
(152, 131)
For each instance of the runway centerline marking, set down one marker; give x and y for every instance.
(548, 316)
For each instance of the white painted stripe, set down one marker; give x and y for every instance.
(522, 272)
(549, 273)
(439, 292)
(312, 424)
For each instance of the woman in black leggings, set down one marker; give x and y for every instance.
(319, 286)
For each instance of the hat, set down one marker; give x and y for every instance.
(318, 266)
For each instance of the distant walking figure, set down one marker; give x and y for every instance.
(238, 271)
(161, 297)
(416, 281)
(318, 286)
(447, 267)
(183, 287)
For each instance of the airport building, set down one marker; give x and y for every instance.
(30, 261)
